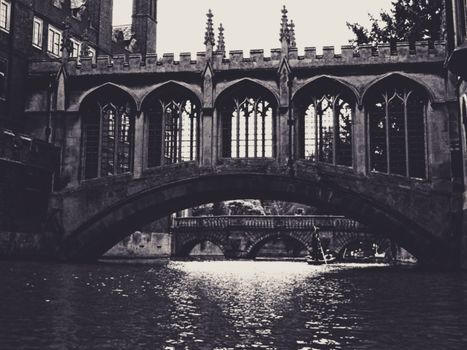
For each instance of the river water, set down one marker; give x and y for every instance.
(230, 305)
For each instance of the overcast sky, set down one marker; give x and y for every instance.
(254, 24)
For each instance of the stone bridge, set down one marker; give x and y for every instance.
(368, 133)
(244, 236)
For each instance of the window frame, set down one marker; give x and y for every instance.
(40, 33)
(384, 92)
(246, 144)
(314, 104)
(55, 31)
(178, 144)
(78, 44)
(6, 3)
(113, 139)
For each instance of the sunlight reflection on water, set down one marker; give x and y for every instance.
(230, 305)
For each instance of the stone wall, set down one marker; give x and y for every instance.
(142, 245)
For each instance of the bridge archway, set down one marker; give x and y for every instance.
(256, 246)
(109, 226)
(189, 247)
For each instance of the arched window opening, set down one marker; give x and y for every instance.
(107, 139)
(248, 128)
(397, 133)
(327, 130)
(173, 131)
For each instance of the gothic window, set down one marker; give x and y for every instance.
(248, 128)
(107, 139)
(327, 130)
(173, 131)
(397, 132)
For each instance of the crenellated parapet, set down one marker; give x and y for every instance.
(402, 53)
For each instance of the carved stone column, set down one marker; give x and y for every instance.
(284, 125)
(139, 149)
(360, 141)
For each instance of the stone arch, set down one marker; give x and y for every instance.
(187, 246)
(397, 128)
(108, 115)
(113, 222)
(257, 244)
(109, 86)
(330, 81)
(248, 82)
(246, 115)
(172, 113)
(400, 76)
(174, 85)
(325, 111)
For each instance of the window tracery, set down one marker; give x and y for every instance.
(248, 128)
(173, 131)
(327, 129)
(397, 132)
(108, 140)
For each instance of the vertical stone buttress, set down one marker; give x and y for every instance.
(145, 24)
(284, 126)
(208, 126)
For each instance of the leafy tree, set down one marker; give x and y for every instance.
(408, 20)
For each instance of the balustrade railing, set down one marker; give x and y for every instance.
(267, 222)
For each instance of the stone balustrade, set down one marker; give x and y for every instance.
(250, 222)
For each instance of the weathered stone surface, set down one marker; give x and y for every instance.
(100, 213)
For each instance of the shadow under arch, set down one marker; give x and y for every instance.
(383, 243)
(256, 246)
(396, 78)
(325, 83)
(106, 92)
(245, 86)
(188, 246)
(112, 224)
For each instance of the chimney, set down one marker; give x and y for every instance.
(144, 25)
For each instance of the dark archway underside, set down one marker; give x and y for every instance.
(111, 225)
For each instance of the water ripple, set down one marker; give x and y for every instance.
(230, 305)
